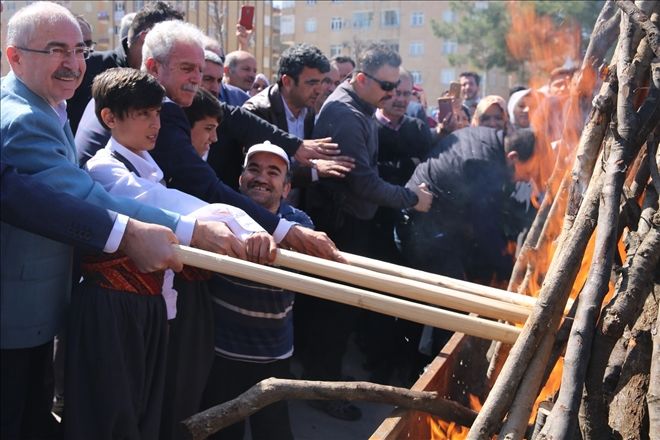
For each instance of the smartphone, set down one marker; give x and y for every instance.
(444, 107)
(247, 15)
(455, 89)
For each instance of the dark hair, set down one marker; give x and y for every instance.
(296, 58)
(521, 141)
(341, 59)
(515, 89)
(150, 15)
(376, 56)
(204, 104)
(474, 75)
(123, 89)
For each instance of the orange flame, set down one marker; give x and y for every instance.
(442, 430)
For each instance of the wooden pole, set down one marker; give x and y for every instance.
(365, 299)
(443, 281)
(411, 289)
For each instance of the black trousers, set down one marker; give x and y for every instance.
(322, 328)
(27, 393)
(116, 347)
(189, 356)
(229, 378)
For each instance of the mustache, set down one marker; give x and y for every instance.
(66, 73)
(189, 88)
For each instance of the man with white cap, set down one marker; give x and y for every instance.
(254, 322)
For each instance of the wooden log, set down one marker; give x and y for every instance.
(642, 20)
(365, 299)
(443, 281)
(273, 390)
(411, 289)
(653, 394)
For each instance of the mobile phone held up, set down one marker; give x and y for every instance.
(247, 16)
(444, 107)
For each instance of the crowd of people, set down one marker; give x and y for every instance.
(109, 158)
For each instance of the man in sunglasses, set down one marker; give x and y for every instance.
(344, 208)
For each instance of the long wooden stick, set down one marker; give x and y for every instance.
(411, 289)
(353, 296)
(443, 281)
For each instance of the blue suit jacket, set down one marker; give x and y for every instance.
(25, 203)
(35, 272)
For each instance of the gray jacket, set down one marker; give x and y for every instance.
(349, 121)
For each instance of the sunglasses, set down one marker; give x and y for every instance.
(385, 86)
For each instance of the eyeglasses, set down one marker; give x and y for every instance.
(385, 86)
(61, 53)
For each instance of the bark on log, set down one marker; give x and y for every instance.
(621, 312)
(628, 411)
(271, 390)
(602, 37)
(653, 395)
(642, 20)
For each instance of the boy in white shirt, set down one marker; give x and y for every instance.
(120, 318)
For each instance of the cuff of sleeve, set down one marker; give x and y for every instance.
(116, 234)
(282, 229)
(184, 230)
(315, 175)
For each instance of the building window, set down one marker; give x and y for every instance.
(192, 4)
(447, 75)
(336, 23)
(311, 2)
(417, 19)
(362, 20)
(287, 24)
(116, 29)
(119, 6)
(390, 18)
(102, 15)
(449, 47)
(416, 76)
(310, 25)
(416, 48)
(335, 49)
(448, 16)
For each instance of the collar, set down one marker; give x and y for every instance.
(142, 161)
(289, 114)
(387, 122)
(59, 109)
(359, 103)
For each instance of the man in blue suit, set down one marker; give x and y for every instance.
(46, 52)
(25, 202)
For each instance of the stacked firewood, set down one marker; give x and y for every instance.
(611, 377)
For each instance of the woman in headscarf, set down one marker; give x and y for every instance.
(519, 108)
(260, 83)
(491, 112)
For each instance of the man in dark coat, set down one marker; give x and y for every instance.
(470, 173)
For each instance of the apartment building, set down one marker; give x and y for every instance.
(217, 18)
(343, 27)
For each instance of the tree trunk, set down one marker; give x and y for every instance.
(653, 396)
(628, 410)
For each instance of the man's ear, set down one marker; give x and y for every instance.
(286, 189)
(286, 80)
(14, 58)
(108, 117)
(512, 156)
(225, 70)
(152, 66)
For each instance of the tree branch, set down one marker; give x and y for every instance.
(271, 390)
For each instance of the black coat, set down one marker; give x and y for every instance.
(469, 177)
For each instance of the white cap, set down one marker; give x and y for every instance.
(267, 147)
